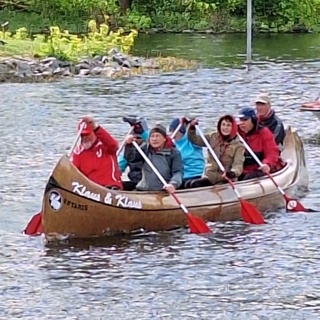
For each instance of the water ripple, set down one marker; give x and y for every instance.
(240, 272)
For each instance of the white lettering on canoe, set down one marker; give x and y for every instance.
(82, 191)
(124, 202)
(108, 198)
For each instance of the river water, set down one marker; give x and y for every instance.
(241, 272)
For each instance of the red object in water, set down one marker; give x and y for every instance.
(34, 227)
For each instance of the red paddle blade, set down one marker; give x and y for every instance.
(250, 214)
(34, 226)
(196, 225)
(293, 205)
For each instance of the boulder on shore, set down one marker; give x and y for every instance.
(114, 64)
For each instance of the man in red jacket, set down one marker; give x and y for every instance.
(96, 156)
(261, 141)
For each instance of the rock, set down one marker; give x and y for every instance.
(48, 60)
(96, 71)
(136, 63)
(65, 64)
(23, 69)
(82, 66)
(84, 72)
(47, 73)
(98, 58)
(105, 59)
(114, 64)
(113, 51)
(126, 64)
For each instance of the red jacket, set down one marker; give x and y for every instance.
(99, 163)
(262, 143)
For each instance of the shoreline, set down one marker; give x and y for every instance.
(23, 69)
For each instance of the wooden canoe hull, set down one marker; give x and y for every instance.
(74, 206)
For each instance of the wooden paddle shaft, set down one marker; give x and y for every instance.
(155, 170)
(77, 138)
(124, 141)
(254, 156)
(147, 160)
(176, 131)
(217, 160)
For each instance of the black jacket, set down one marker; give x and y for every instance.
(275, 125)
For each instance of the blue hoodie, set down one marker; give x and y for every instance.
(192, 155)
(192, 158)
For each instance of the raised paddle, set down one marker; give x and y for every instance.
(248, 212)
(292, 205)
(174, 133)
(124, 141)
(196, 225)
(34, 226)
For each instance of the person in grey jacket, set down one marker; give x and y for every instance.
(163, 155)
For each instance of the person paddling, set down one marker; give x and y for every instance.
(96, 157)
(263, 144)
(163, 155)
(227, 147)
(191, 154)
(140, 133)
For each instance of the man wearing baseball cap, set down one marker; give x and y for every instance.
(96, 157)
(262, 143)
(267, 118)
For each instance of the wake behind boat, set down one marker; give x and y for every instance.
(73, 206)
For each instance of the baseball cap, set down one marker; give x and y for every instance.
(247, 113)
(262, 98)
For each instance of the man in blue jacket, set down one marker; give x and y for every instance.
(192, 155)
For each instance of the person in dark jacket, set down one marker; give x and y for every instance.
(140, 133)
(262, 143)
(267, 118)
(163, 155)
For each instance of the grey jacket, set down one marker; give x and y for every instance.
(167, 161)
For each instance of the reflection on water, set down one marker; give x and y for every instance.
(239, 272)
(226, 50)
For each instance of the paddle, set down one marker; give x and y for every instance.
(292, 205)
(124, 141)
(196, 225)
(34, 226)
(175, 131)
(248, 212)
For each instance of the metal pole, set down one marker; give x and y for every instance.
(249, 34)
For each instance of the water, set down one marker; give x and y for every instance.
(241, 272)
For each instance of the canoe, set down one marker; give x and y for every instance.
(314, 107)
(75, 207)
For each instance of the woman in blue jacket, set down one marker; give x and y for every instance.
(192, 155)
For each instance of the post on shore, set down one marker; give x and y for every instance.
(249, 34)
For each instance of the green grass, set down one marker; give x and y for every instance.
(17, 48)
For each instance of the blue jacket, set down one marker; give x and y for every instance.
(192, 158)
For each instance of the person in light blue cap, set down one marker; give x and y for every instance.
(192, 155)
(141, 134)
